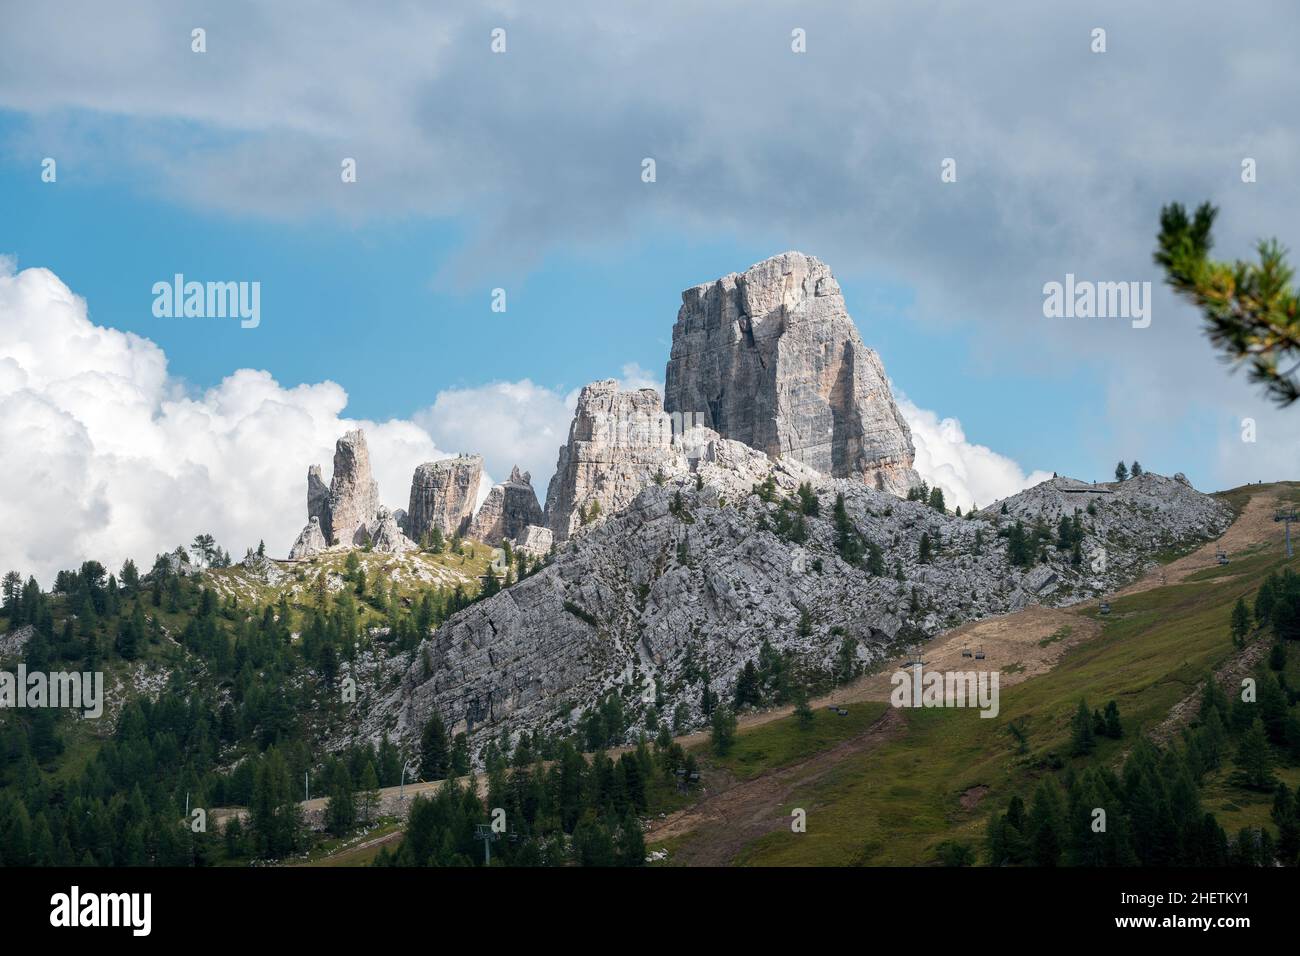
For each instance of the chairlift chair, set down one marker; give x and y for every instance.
(979, 655)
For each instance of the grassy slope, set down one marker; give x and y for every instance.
(783, 742)
(895, 804)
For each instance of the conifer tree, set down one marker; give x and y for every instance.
(1083, 741)
(435, 756)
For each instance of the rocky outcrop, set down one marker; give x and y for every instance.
(318, 496)
(509, 508)
(689, 580)
(354, 497)
(443, 495)
(536, 540)
(346, 512)
(1126, 521)
(771, 358)
(387, 536)
(618, 441)
(311, 541)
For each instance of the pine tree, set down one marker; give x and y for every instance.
(1136, 470)
(1121, 472)
(630, 842)
(802, 710)
(1083, 741)
(1240, 622)
(1250, 309)
(273, 812)
(1114, 729)
(460, 755)
(369, 793)
(847, 540)
(723, 730)
(747, 688)
(1254, 758)
(435, 757)
(925, 548)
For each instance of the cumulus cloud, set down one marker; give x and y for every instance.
(107, 457)
(836, 150)
(508, 423)
(969, 474)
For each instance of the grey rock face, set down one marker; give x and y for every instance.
(617, 442)
(771, 358)
(687, 578)
(443, 495)
(353, 497)
(387, 535)
(1126, 521)
(509, 508)
(536, 540)
(318, 495)
(311, 541)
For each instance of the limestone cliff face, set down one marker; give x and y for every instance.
(617, 442)
(354, 496)
(318, 495)
(311, 541)
(347, 513)
(443, 495)
(387, 536)
(771, 358)
(508, 510)
(698, 573)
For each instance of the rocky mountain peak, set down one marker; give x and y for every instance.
(508, 510)
(618, 441)
(443, 496)
(771, 358)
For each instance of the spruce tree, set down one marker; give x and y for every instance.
(1114, 729)
(1240, 622)
(435, 754)
(723, 736)
(1255, 759)
(1083, 740)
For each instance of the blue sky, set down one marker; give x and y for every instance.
(360, 304)
(522, 170)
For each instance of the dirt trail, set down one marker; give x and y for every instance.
(1254, 526)
(739, 813)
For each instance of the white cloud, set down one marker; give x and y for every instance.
(107, 458)
(969, 474)
(508, 423)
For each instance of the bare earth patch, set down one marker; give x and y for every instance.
(1254, 526)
